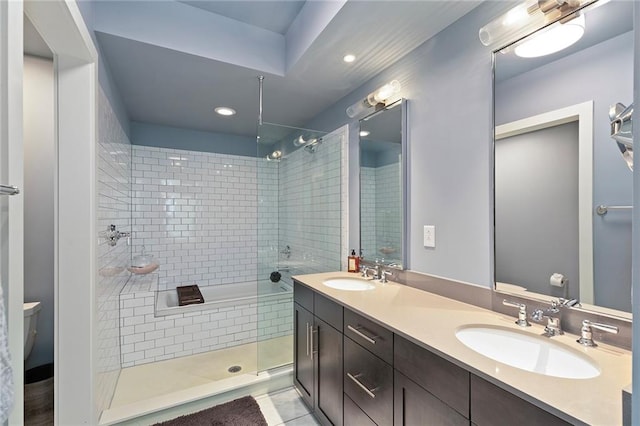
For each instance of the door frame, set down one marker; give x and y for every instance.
(62, 27)
(11, 154)
(583, 114)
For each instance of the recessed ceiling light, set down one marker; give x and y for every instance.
(364, 133)
(558, 37)
(225, 111)
(349, 58)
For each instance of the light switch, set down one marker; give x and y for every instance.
(429, 236)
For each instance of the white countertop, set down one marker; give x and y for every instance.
(431, 321)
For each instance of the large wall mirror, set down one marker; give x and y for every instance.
(382, 185)
(556, 165)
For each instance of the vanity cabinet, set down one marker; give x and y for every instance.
(353, 371)
(318, 354)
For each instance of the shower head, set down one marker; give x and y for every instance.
(313, 145)
(275, 156)
(621, 130)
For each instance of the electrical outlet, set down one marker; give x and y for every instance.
(430, 236)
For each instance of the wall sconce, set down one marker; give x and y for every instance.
(526, 18)
(375, 98)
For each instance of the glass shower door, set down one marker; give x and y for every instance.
(299, 226)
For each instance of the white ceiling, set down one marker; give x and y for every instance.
(173, 63)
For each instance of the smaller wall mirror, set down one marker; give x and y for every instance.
(382, 186)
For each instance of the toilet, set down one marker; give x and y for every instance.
(31, 310)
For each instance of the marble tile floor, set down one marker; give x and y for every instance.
(285, 407)
(155, 379)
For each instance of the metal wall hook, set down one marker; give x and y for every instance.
(9, 190)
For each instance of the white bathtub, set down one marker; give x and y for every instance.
(222, 296)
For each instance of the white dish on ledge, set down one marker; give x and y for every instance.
(143, 270)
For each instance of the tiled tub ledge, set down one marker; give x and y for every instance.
(147, 337)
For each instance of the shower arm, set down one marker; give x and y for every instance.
(260, 83)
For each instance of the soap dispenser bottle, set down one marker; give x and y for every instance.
(353, 262)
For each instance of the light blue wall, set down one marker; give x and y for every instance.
(191, 140)
(448, 84)
(602, 74)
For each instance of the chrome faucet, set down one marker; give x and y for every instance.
(522, 312)
(586, 332)
(553, 321)
(365, 272)
(383, 276)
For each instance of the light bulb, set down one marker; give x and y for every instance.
(377, 96)
(559, 36)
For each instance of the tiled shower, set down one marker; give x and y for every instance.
(213, 220)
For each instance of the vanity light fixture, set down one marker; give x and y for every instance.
(364, 133)
(349, 58)
(552, 39)
(376, 98)
(527, 18)
(226, 111)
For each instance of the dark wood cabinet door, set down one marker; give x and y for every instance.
(328, 402)
(414, 406)
(368, 381)
(303, 361)
(493, 406)
(441, 378)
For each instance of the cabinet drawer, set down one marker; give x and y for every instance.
(303, 296)
(370, 335)
(353, 415)
(413, 405)
(492, 406)
(328, 311)
(368, 381)
(443, 379)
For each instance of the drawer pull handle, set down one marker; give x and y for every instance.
(307, 339)
(369, 392)
(361, 334)
(312, 351)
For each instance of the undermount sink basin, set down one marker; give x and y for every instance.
(528, 352)
(349, 284)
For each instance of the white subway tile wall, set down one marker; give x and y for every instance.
(389, 212)
(114, 207)
(268, 245)
(214, 219)
(196, 212)
(381, 212)
(309, 201)
(368, 212)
